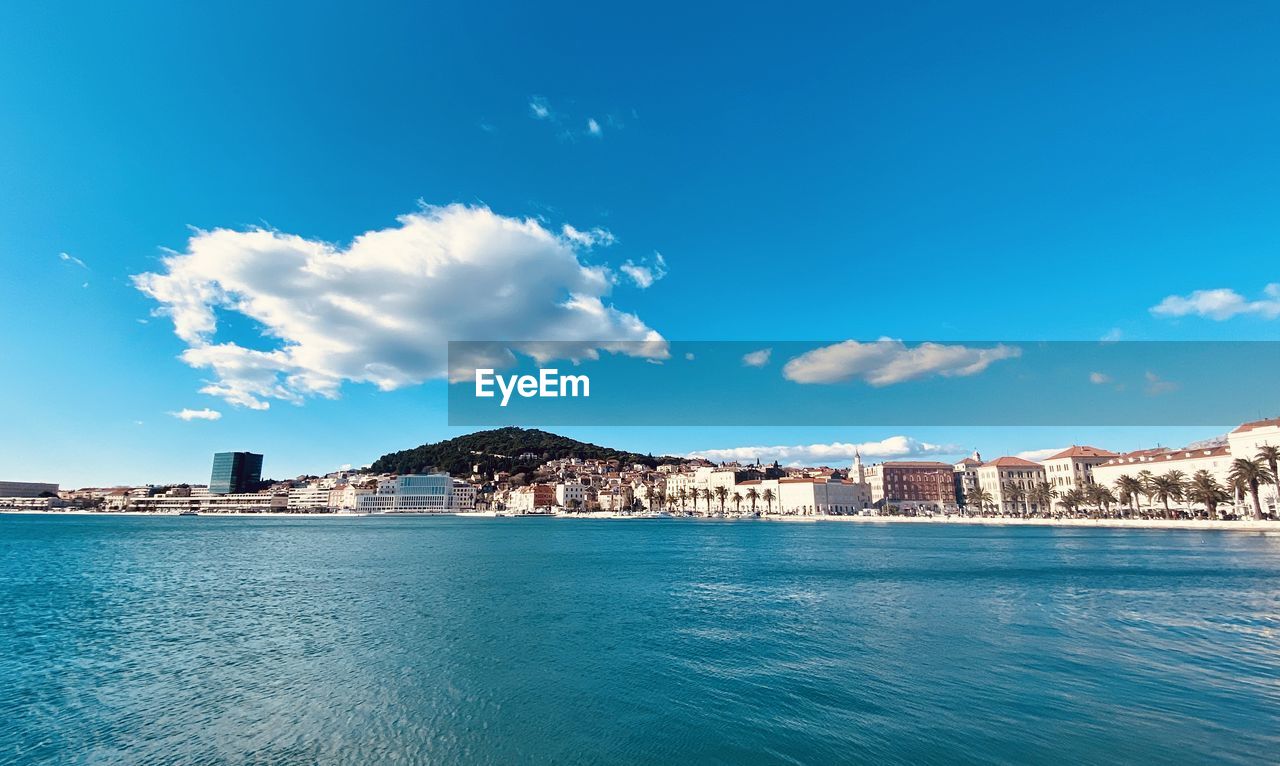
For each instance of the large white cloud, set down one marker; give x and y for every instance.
(833, 453)
(1220, 303)
(887, 361)
(382, 309)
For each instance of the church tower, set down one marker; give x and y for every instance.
(858, 470)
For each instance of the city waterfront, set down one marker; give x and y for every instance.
(381, 639)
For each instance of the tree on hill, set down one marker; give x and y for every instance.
(513, 450)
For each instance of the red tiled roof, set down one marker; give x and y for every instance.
(1076, 450)
(915, 464)
(1256, 424)
(1009, 461)
(1162, 455)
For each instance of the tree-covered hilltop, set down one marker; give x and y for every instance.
(500, 450)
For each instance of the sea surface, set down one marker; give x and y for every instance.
(509, 641)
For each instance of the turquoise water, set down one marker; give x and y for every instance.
(418, 640)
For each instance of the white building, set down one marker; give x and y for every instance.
(411, 493)
(1215, 460)
(571, 492)
(311, 497)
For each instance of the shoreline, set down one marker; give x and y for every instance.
(1203, 525)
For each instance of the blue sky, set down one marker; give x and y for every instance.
(945, 172)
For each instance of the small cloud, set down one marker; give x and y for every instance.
(651, 360)
(888, 361)
(141, 321)
(190, 415)
(1157, 385)
(1112, 335)
(86, 284)
(1099, 378)
(539, 108)
(757, 358)
(486, 127)
(1220, 304)
(646, 272)
(689, 356)
(71, 259)
(137, 422)
(590, 237)
(593, 127)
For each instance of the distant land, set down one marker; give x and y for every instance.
(501, 449)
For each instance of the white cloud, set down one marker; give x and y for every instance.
(835, 453)
(539, 108)
(1037, 455)
(1112, 335)
(887, 361)
(757, 358)
(1157, 385)
(69, 258)
(689, 356)
(646, 272)
(1099, 378)
(189, 415)
(382, 309)
(1220, 304)
(593, 127)
(588, 238)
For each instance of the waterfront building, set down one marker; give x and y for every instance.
(912, 484)
(1072, 468)
(535, 497)
(1159, 461)
(997, 476)
(235, 473)
(965, 474)
(411, 493)
(571, 492)
(813, 496)
(26, 489)
(310, 497)
(464, 496)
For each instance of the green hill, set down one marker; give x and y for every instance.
(500, 450)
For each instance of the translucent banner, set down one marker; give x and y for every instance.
(871, 383)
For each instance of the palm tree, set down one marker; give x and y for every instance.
(1015, 494)
(707, 495)
(1204, 488)
(1129, 488)
(1247, 474)
(1100, 497)
(737, 503)
(649, 494)
(752, 496)
(767, 497)
(1271, 455)
(1144, 479)
(979, 498)
(1166, 487)
(1072, 499)
(1042, 494)
(722, 494)
(682, 495)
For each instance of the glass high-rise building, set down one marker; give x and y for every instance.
(235, 472)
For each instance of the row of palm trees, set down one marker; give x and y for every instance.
(682, 498)
(1245, 479)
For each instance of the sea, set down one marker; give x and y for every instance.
(415, 640)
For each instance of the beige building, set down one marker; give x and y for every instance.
(997, 475)
(1073, 467)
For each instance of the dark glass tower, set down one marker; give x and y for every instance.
(235, 472)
